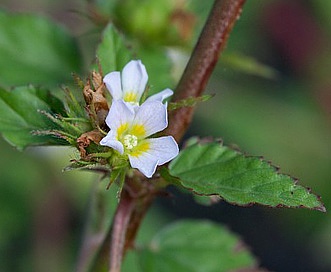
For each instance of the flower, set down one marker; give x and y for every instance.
(129, 128)
(131, 84)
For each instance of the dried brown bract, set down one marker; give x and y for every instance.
(85, 140)
(96, 102)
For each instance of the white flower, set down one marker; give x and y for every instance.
(129, 128)
(131, 84)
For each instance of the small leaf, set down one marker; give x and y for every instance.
(20, 115)
(195, 246)
(188, 102)
(35, 51)
(249, 65)
(112, 52)
(213, 169)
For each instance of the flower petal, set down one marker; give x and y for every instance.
(164, 148)
(134, 79)
(119, 113)
(152, 116)
(161, 95)
(111, 141)
(161, 150)
(113, 84)
(145, 163)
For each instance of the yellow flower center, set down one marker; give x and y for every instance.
(131, 97)
(138, 130)
(132, 139)
(142, 147)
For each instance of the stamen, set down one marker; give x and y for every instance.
(130, 141)
(134, 103)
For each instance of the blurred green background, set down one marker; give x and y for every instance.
(283, 114)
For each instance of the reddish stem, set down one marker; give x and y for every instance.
(120, 225)
(206, 53)
(131, 209)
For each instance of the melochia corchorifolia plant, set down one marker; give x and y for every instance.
(128, 125)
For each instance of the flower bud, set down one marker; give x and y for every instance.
(166, 22)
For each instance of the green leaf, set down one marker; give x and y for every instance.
(112, 52)
(20, 115)
(35, 51)
(213, 169)
(188, 102)
(195, 246)
(248, 65)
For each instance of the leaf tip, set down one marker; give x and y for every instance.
(321, 208)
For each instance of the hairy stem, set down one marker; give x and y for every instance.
(206, 53)
(120, 225)
(136, 198)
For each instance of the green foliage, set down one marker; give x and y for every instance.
(195, 246)
(158, 66)
(188, 102)
(213, 169)
(20, 115)
(152, 22)
(248, 65)
(113, 52)
(35, 51)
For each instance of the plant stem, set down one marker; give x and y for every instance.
(138, 193)
(206, 53)
(136, 198)
(120, 225)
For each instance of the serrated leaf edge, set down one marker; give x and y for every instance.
(202, 141)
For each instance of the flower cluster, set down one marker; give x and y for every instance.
(131, 123)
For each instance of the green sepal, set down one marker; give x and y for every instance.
(21, 116)
(87, 166)
(69, 128)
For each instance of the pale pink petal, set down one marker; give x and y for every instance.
(134, 78)
(161, 95)
(113, 84)
(153, 116)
